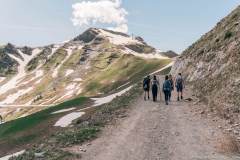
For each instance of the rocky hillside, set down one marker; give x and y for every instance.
(94, 63)
(212, 66)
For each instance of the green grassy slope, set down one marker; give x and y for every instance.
(126, 68)
(33, 127)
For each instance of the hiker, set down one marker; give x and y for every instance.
(146, 87)
(167, 87)
(155, 85)
(179, 83)
(172, 86)
(1, 119)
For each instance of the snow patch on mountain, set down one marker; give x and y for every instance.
(13, 97)
(38, 81)
(68, 72)
(123, 85)
(66, 120)
(167, 66)
(2, 79)
(11, 84)
(71, 89)
(12, 155)
(38, 74)
(64, 110)
(77, 80)
(107, 99)
(118, 39)
(155, 55)
(71, 86)
(54, 49)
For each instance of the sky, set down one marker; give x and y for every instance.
(164, 24)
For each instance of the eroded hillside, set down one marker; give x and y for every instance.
(212, 66)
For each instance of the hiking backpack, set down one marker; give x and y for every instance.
(179, 81)
(145, 83)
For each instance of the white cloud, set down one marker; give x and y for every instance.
(110, 12)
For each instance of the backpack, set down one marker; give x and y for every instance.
(179, 81)
(167, 86)
(172, 84)
(145, 86)
(154, 84)
(145, 83)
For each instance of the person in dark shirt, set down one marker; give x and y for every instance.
(179, 83)
(146, 87)
(155, 86)
(167, 89)
(172, 86)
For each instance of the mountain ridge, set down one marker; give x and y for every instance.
(93, 63)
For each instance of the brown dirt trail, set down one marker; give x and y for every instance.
(154, 131)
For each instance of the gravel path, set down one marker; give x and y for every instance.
(153, 131)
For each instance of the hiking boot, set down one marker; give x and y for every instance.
(178, 99)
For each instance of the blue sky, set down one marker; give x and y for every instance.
(165, 24)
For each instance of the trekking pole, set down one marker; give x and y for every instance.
(160, 93)
(160, 90)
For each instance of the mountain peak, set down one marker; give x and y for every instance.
(87, 36)
(9, 45)
(91, 33)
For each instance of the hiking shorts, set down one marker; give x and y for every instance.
(147, 89)
(179, 88)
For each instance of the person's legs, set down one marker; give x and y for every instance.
(153, 96)
(145, 95)
(178, 93)
(170, 95)
(166, 97)
(156, 93)
(182, 93)
(181, 90)
(148, 94)
(177, 87)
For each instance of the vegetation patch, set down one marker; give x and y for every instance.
(228, 35)
(77, 136)
(56, 59)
